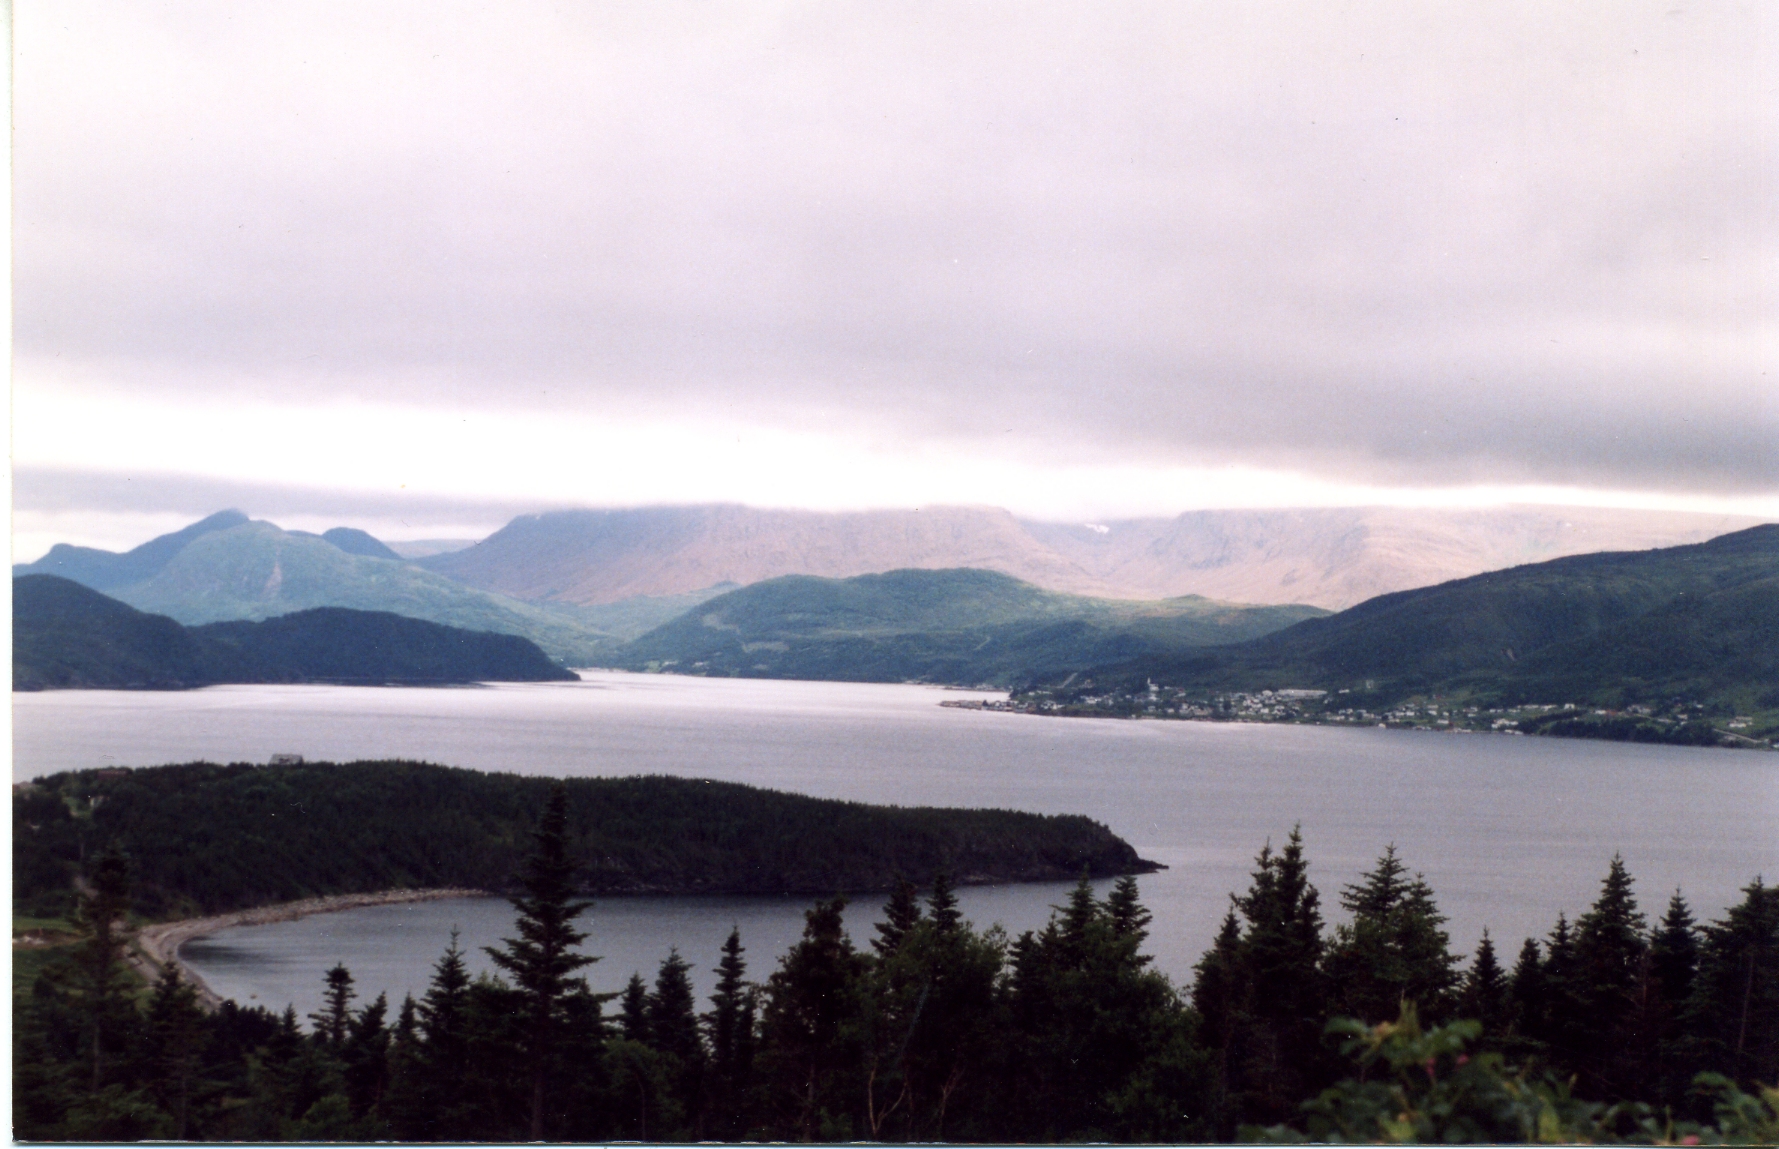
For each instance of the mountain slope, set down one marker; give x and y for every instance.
(67, 635)
(256, 571)
(1328, 557)
(1611, 625)
(959, 626)
(107, 570)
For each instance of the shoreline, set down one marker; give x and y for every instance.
(157, 945)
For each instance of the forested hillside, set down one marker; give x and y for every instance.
(1697, 622)
(955, 626)
(67, 636)
(207, 837)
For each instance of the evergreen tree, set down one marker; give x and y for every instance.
(811, 1043)
(1485, 996)
(1735, 1003)
(1128, 916)
(406, 1101)
(942, 908)
(330, 1021)
(1395, 948)
(1530, 998)
(177, 1033)
(1281, 957)
(541, 960)
(900, 914)
(633, 1006)
(442, 1051)
(729, 1027)
(1220, 997)
(100, 914)
(673, 1031)
(366, 1057)
(1615, 1038)
(1674, 951)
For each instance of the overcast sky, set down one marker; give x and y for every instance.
(421, 266)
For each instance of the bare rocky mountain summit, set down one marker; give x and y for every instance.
(1327, 557)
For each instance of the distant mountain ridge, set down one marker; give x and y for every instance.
(954, 626)
(66, 635)
(228, 567)
(1332, 558)
(1698, 621)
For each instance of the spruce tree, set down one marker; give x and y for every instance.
(1126, 913)
(811, 1045)
(1735, 1003)
(1394, 949)
(729, 1027)
(633, 1010)
(366, 1057)
(1283, 1058)
(330, 1021)
(177, 1032)
(100, 914)
(1484, 997)
(942, 908)
(542, 959)
(1674, 951)
(1615, 1040)
(900, 914)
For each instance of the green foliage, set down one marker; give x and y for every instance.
(962, 626)
(224, 837)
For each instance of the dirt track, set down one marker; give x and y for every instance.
(158, 944)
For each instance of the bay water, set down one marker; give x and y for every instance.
(1509, 831)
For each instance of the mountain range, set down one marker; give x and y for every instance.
(66, 635)
(228, 567)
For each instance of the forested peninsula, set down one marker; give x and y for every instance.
(206, 838)
(65, 635)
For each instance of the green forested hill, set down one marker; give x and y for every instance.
(209, 837)
(1694, 621)
(256, 571)
(67, 635)
(965, 626)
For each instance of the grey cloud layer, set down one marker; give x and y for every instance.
(1389, 243)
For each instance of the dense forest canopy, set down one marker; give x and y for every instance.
(1617, 1026)
(67, 635)
(209, 837)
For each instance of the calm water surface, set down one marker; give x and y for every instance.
(1509, 831)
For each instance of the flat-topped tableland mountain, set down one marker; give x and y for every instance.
(1327, 557)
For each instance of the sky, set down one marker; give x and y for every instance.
(422, 267)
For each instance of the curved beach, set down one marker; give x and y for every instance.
(158, 945)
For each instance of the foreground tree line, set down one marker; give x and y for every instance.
(1607, 1030)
